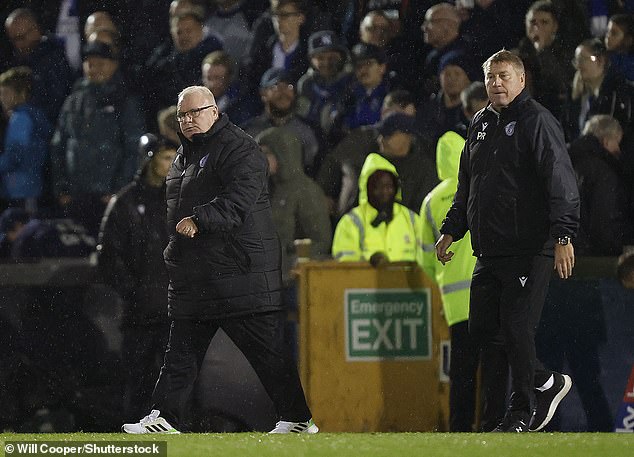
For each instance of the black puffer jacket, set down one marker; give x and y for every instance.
(232, 266)
(130, 251)
(517, 190)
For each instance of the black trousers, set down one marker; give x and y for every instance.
(466, 356)
(260, 337)
(507, 297)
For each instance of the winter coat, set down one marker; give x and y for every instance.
(94, 148)
(517, 191)
(603, 193)
(616, 98)
(132, 238)
(232, 266)
(25, 152)
(52, 75)
(453, 278)
(298, 203)
(357, 240)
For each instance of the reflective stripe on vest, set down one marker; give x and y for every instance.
(357, 221)
(455, 286)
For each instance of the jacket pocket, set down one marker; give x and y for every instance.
(234, 249)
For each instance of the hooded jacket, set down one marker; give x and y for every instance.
(454, 278)
(356, 239)
(517, 191)
(298, 203)
(132, 238)
(232, 266)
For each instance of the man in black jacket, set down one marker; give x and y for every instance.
(224, 265)
(132, 237)
(518, 195)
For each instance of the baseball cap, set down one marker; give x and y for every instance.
(99, 49)
(366, 51)
(397, 122)
(272, 76)
(325, 40)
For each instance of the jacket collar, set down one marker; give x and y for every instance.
(514, 107)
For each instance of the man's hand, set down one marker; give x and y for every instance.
(564, 260)
(442, 245)
(187, 227)
(379, 259)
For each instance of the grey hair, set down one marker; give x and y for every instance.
(602, 126)
(202, 90)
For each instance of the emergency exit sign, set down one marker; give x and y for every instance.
(388, 324)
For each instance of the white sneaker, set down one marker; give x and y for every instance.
(152, 423)
(295, 427)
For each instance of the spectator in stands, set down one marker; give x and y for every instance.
(99, 20)
(168, 126)
(414, 159)
(443, 111)
(278, 95)
(320, 89)
(176, 64)
(52, 74)
(441, 31)
(220, 76)
(546, 57)
(339, 172)
(381, 229)
(286, 48)
(232, 20)
(473, 99)
(489, 25)
(453, 281)
(619, 41)
(132, 238)
(94, 148)
(380, 29)
(597, 89)
(299, 209)
(364, 98)
(603, 191)
(26, 139)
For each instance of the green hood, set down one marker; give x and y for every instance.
(448, 151)
(286, 148)
(375, 162)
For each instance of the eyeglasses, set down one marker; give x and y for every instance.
(192, 113)
(581, 58)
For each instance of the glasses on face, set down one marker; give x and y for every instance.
(192, 113)
(581, 58)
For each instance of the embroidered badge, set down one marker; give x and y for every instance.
(510, 128)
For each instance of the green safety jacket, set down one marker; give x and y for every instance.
(454, 278)
(356, 240)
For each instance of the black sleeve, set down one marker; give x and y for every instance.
(555, 168)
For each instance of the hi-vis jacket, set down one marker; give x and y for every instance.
(454, 278)
(356, 240)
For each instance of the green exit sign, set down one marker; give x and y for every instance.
(388, 324)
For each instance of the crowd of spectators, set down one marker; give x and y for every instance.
(320, 84)
(83, 80)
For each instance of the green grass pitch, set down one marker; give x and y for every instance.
(369, 444)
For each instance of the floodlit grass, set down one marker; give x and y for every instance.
(370, 444)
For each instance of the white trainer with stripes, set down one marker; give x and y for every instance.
(152, 423)
(295, 427)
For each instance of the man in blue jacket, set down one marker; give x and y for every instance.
(518, 195)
